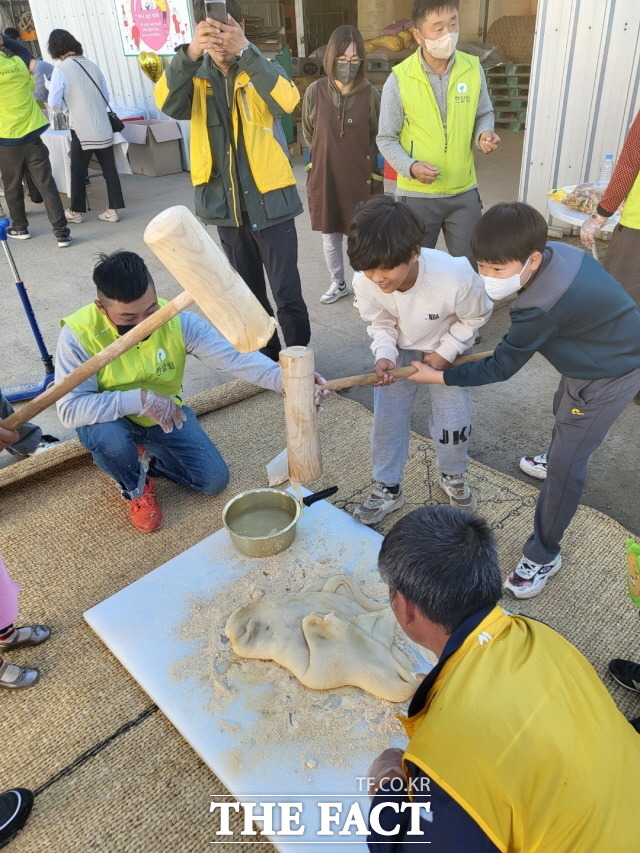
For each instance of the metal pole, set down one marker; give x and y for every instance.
(485, 26)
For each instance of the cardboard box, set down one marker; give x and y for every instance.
(302, 66)
(154, 147)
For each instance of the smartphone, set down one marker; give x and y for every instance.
(217, 10)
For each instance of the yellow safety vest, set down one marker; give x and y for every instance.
(270, 166)
(521, 732)
(631, 212)
(423, 135)
(156, 364)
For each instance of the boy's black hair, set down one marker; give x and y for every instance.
(12, 33)
(423, 8)
(61, 42)
(121, 276)
(509, 232)
(383, 234)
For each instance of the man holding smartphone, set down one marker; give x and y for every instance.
(240, 165)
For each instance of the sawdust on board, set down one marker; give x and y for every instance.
(335, 727)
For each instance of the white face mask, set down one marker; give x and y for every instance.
(443, 47)
(500, 288)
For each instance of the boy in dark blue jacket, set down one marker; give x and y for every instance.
(571, 311)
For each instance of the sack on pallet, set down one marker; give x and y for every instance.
(386, 42)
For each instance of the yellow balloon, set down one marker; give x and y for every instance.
(151, 64)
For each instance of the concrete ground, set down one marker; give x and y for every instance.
(510, 419)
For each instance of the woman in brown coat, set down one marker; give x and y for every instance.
(340, 122)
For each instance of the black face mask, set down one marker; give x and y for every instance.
(346, 73)
(122, 330)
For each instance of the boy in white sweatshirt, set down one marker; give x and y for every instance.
(421, 304)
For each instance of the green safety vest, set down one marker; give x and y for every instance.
(156, 364)
(423, 136)
(20, 114)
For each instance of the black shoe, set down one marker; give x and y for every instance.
(626, 673)
(15, 808)
(18, 233)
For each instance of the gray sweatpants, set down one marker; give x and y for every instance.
(456, 216)
(332, 248)
(30, 434)
(584, 410)
(449, 425)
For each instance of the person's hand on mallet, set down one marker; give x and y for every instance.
(426, 374)
(380, 369)
(10, 436)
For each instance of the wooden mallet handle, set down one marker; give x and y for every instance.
(93, 365)
(399, 372)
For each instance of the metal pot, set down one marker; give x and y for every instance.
(262, 522)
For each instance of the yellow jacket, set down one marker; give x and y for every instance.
(521, 732)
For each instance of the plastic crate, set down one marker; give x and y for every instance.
(501, 102)
(509, 91)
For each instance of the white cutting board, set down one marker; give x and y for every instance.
(134, 623)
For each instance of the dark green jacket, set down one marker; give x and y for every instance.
(231, 188)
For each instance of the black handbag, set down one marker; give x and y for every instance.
(116, 123)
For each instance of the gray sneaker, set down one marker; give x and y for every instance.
(379, 504)
(335, 292)
(455, 486)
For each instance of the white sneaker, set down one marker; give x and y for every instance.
(535, 466)
(379, 503)
(528, 578)
(109, 217)
(70, 216)
(355, 301)
(457, 489)
(335, 292)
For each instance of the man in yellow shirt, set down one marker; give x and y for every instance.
(514, 742)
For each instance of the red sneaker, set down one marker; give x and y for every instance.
(145, 513)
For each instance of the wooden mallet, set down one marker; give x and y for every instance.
(304, 456)
(196, 262)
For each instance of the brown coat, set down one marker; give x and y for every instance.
(343, 170)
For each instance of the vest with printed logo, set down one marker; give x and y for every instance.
(156, 364)
(519, 730)
(423, 135)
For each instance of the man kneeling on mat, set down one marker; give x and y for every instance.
(130, 415)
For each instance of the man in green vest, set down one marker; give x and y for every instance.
(130, 415)
(21, 147)
(435, 109)
(514, 742)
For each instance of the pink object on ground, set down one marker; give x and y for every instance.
(9, 592)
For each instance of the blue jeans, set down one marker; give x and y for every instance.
(186, 456)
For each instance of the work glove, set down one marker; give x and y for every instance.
(319, 395)
(162, 410)
(387, 766)
(589, 228)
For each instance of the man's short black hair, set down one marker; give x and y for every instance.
(423, 8)
(121, 276)
(61, 42)
(233, 9)
(12, 33)
(383, 234)
(509, 232)
(445, 561)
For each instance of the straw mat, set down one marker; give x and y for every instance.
(112, 773)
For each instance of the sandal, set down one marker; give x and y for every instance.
(27, 635)
(14, 677)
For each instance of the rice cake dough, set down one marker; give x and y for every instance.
(329, 635)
